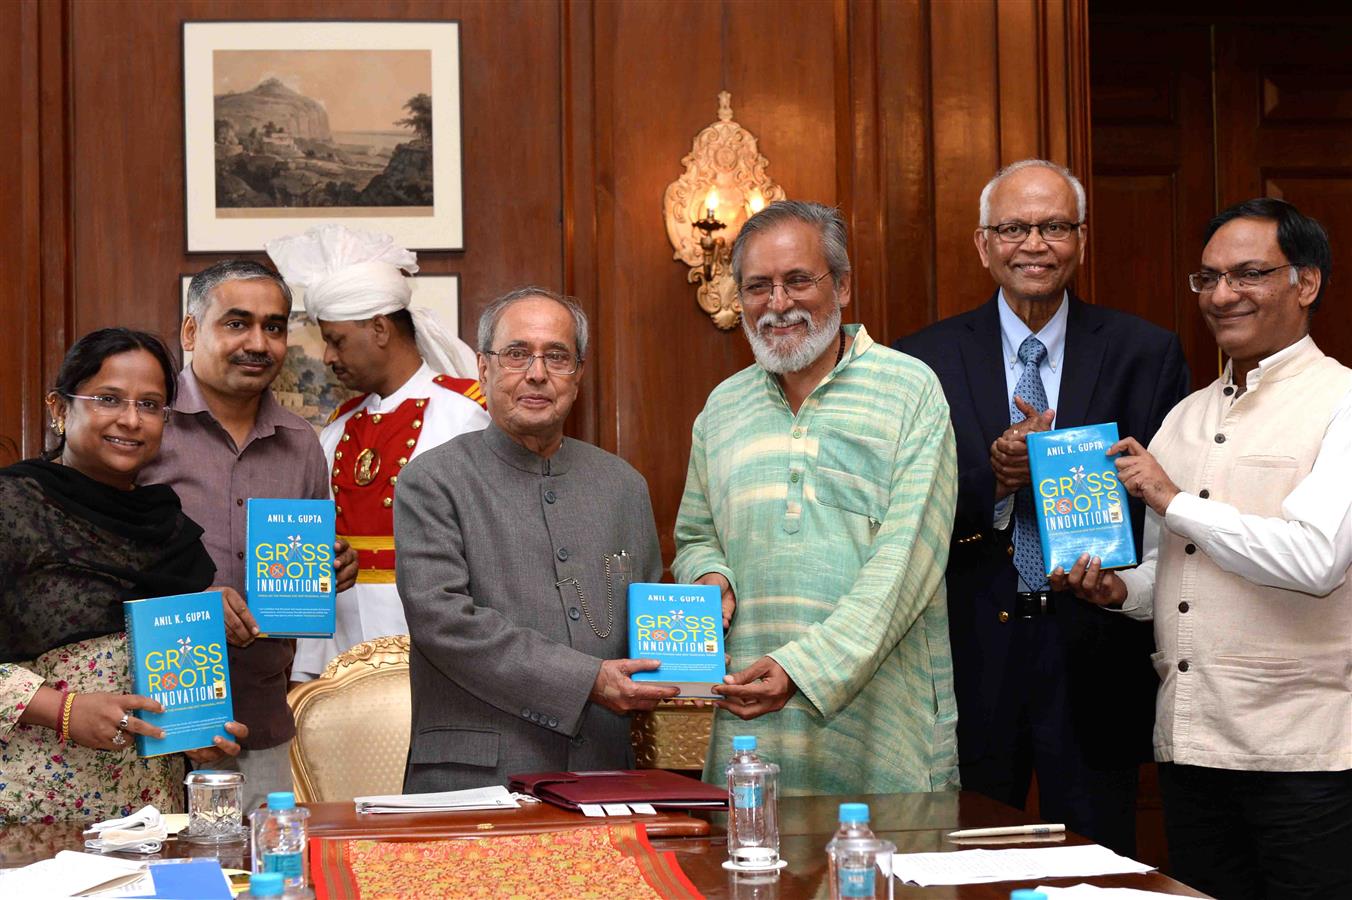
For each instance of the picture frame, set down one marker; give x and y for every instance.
(305, 385)
(290, 124)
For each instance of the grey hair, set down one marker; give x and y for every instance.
(827, 220)
(1030, 164)
(492, 314)
(217, 274)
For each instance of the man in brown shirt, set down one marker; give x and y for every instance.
(230, 440)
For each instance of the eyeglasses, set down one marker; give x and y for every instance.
(518, 359)
(109, 406)
(1017, 232)
(796, 287)
(1206, 282)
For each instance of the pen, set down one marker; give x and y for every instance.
(1008, 829)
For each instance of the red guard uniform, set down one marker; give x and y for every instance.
(368, 442)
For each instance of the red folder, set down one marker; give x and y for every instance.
(657, 787)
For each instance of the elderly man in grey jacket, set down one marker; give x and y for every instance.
(516, 546)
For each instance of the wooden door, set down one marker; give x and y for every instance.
(1284, 120)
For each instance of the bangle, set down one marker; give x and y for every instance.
(67, 701)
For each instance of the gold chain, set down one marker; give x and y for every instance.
(586, 610)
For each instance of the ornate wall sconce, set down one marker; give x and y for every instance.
(723, 185)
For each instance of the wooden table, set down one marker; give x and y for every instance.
(916, 823)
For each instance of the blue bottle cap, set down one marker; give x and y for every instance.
(267, 884)
(281, 800)
(1026, 894)
(854, 812)
(744, 742)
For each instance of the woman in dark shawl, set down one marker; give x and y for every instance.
(77, 539)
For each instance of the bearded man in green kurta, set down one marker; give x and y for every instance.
(820, 499)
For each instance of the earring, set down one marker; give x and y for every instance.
(59, 427)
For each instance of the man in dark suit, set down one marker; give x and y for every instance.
(1046, 683)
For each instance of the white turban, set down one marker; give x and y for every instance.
(351, 275)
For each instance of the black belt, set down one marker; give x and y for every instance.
(1031, 604)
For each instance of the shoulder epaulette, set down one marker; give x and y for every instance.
(347, 407)
(468, 387)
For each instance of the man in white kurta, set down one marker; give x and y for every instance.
(1248, 543)
(417, 391)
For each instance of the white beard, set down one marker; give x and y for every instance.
(779, 355)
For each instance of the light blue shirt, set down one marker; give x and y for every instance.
(1013, 331)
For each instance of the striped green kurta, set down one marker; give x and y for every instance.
(833, 528)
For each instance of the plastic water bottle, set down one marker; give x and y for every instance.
(1026, 894)
(264, 884)
(753, 806)
(279, 837)
(854, 854)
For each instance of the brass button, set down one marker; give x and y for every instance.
(1010, 550)
(417, 423)
(358, 415)
(403, 460)
(335, 471)
(376, 418)
(420, 403)
(388, 501)
(339, 510)
(337, 454)
(411, 442)
(347, 437)
(1004, 616)
(394, 479)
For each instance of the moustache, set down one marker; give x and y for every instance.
(783, 320)
(252, 359)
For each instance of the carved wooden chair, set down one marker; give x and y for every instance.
(352, 724)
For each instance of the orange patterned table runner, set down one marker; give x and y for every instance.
(608, 863)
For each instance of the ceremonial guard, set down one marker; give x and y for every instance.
(415, 394)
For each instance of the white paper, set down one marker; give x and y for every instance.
(615, 809)
(494, 797)
(643, 809)
(978, 866)
(66, 875)
(1094, 892)
(592, 809)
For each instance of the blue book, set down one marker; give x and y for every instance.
(188, 879)
(178, 658)
(1081, 506)
(681, 625)
(288, 567)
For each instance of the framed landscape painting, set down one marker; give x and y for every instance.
(305, 385)
(293, 124)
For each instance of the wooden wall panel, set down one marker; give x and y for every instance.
(1154, 186)
(1287, 99)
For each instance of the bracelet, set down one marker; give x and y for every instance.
(67, 701)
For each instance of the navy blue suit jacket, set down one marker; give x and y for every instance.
(1117, 368)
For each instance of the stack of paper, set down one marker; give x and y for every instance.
(69, 874)
(495, 797)
(976, 866)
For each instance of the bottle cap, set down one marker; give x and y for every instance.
(855, 812)
(281, 800)
(266, 884)
(744, 742)
(1026, 894)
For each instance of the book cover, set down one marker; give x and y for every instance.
(288, 567)
(1081, 506)
(681, 625)
(178, 658)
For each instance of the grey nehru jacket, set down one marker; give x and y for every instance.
(504, 657)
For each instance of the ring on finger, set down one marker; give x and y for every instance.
(122, 722)
(118, 738)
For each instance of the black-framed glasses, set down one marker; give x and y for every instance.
(796, 287)
(519, 359)
(1017, 232)
(1238, 279)
(109, 406)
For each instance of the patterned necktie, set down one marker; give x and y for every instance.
(1027, 547)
